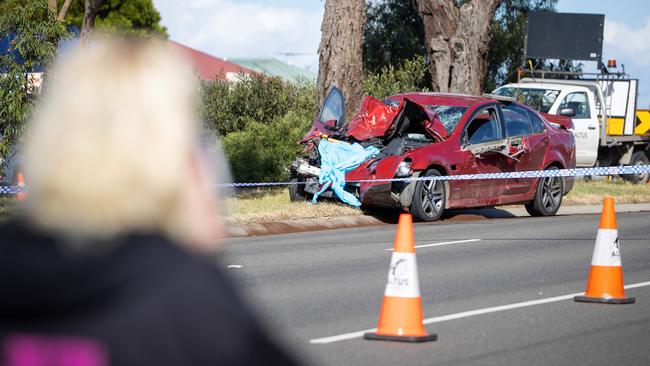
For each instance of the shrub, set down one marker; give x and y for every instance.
(262, 152)
(412, 75)
(33, 34)
(229, 107)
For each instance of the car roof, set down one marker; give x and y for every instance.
(451, 99)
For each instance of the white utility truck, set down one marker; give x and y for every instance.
(609, 129)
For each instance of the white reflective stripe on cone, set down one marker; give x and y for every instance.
(403, 276)
(607, 251)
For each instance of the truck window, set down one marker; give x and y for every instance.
(579, 103)
(517, 121)
(539, 99)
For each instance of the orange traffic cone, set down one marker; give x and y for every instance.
(605, 282)
(21, 195)
(400, 318)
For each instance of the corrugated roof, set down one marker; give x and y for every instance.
(207, 66)
(275, 67)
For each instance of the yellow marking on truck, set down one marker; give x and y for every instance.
(615, 126)
(644, 122)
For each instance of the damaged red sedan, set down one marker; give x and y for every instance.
(434, 134)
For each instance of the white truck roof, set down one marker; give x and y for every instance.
(545, 85)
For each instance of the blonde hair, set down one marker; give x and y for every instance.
(108, 150)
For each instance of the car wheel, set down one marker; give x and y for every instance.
(429, 198)
(638, 158)
(297, 190)
(548, 196)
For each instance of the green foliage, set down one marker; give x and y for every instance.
(36, 33)
(229, 107)
(131, 17)
(393, 33)
(260, 119)
(410, 76)
(262, 152)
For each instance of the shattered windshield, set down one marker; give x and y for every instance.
(539, 99)
(448, 115)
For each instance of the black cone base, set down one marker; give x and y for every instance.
(605, 300)
(379, 337)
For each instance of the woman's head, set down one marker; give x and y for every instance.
(114, 145)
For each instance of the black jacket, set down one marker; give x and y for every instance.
(141, 299)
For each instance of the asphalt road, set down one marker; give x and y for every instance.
(319, 290)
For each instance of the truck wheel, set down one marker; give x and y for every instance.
(297, 191)
(548, 196)
(638, 158)
(429, 198)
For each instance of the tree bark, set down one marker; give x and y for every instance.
(64, 10)
(52, 5)
(91, 8)
(457, 41)
(341, 51)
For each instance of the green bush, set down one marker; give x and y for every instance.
(411, 76)
(262, 152)
(229, 107)
(35, 34)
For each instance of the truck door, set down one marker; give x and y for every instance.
(585, 124)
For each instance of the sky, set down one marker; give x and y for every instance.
(266, 28)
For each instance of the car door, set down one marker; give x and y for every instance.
(333, 108)
(481, 142)
(585, 126)
(527, 146)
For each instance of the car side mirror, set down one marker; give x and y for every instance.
(331, 125)
(567, 112)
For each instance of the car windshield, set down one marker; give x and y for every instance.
(448, 115)
(539, 99)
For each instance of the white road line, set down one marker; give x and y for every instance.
(443, 243)
(465, 314)
(235, 266)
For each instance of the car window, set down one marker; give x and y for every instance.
(448, 115)
(516, 120)
(538, 125)
(333, 107)
(578, 102)
(484, 127)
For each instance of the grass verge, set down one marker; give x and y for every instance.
(274, 204)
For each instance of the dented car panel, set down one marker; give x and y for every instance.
(425, 134)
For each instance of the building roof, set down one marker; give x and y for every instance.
(207, 66)
(275, 67)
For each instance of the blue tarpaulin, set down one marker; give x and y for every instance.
(337, 158)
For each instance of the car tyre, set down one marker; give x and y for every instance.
(297, 190)
(429, 198)
(548, 196)
(638, 158)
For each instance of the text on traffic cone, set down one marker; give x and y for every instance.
(605, 281)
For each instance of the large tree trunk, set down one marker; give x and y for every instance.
(457, 41)
(91, 8)
(341, 51)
